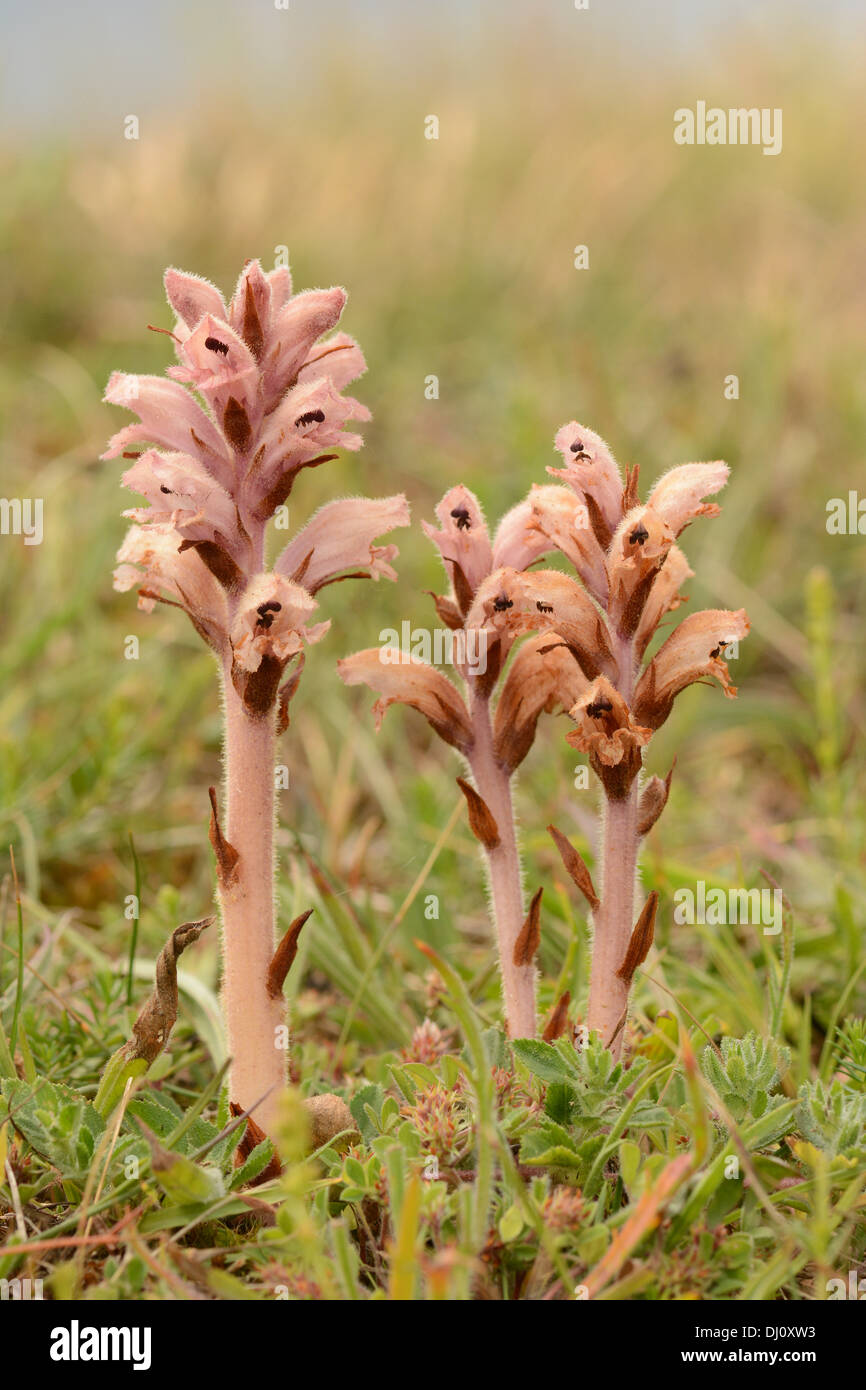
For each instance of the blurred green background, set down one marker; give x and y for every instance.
(261, 128)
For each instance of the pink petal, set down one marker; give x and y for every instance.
(281, 287)
(151, 556)
(463, 539)
(338, 358)
(591, 469)
(340, 537)
(401, 678)
(191, 297)
(678, 494)
(170, 417)
(693, 650)
(271, 620)
(295, 329)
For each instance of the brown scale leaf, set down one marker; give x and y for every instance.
(226, 855)
(287, 693)
(641, 939)
(481, 821)
(159, 1015)
(653, 800)
(556, 1024)
(529, 940)
(574, 866)
(284, 956)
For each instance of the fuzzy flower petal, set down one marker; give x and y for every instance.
(271, 621)
(191, 297)
(338, 358)
(510, 603)
(463, 542)
(677, 496)
(606, 730)
(181, 491)
(297, 326)
(151, 557)
(664, 596)
(639, 548)
(561, 516)
(591, 469)
(692, 652)
(218, 363)
(542, 677)
(340, 537)
(397, 677)
(171, 418)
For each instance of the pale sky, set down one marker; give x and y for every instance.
(69, 65)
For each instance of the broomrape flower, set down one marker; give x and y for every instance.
(256, 397)
(625, 701)
(492, 720)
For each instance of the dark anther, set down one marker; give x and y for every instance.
(311, 417)
(717, 651)
(163, 488)
(461, 516)
(502, 603)
(544, 607)
(598, 708)
(216, 346)
(270, 607)
(639, 535)
(577, 446)
(265, 620)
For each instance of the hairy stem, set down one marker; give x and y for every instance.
(255, 1021)
(614, 919)
(506, 887)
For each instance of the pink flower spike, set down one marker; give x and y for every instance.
(340, 537)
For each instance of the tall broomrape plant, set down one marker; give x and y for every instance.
(591, 638)
(256, 398)
(634, 570)
(493, 601)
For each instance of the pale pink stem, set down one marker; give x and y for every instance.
(255, 1022)
(614, 919)
(506, 887)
